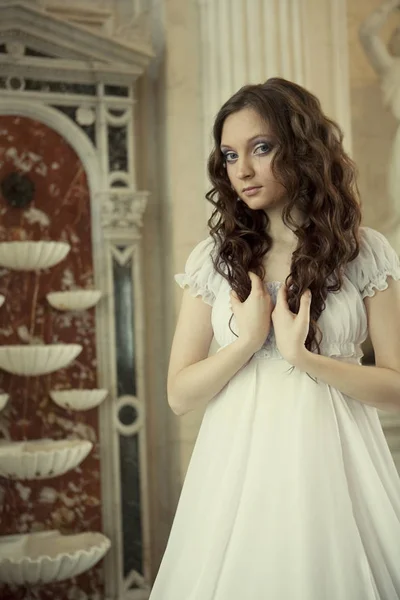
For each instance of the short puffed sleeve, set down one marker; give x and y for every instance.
(200, 276)
(376, 261)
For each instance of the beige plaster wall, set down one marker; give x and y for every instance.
(373, 126)
(184, 222)
(171, 168)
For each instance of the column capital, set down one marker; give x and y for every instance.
(122, 209)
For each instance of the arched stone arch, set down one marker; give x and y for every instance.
(69, 131)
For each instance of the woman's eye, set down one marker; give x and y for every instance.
(230, 156)
(262, 148)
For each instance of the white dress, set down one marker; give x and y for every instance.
(291, 492)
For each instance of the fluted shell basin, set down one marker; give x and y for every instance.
(78, 399)
(74, 299)
(3, 400)
(41, 459)
(32, 256)
(43, 557)
(37, 360)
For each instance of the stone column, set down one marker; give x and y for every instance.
(248, 41)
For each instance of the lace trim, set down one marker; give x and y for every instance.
(185, 281)
(380, 283)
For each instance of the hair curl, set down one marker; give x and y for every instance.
(320, 180)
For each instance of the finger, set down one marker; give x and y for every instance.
(234, 295)
(282, 296)
(255, 280)
(305, 304)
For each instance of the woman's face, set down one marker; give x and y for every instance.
(248, 148)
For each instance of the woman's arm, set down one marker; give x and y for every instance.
(374, 48)
(378, 385)
(194, 378)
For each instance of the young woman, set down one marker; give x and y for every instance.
(291, 492)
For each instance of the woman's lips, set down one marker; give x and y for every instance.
(251, 191)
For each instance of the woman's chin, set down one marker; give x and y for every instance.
(258, 203)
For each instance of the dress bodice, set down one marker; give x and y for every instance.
(343, 322)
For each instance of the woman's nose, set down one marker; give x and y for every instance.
(244, 168)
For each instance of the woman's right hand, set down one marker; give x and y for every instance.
(253, 316)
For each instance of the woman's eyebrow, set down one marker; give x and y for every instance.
(255, 137)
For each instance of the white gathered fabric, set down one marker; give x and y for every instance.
(291, 492)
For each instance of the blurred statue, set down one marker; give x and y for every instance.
(385, 60)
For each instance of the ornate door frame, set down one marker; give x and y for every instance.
(81, 84)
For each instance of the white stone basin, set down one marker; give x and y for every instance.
(40, 459)
(37, 360)
(49, 556)
(74, 299)
(78, 399)
(32, 256)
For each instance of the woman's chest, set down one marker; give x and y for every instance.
(277, 266)
(343, 319)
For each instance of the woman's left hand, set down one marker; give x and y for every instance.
(291, 330)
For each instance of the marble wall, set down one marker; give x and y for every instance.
(60, 211)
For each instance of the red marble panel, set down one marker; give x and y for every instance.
(59, 211)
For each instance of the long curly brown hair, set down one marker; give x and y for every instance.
(320, 180)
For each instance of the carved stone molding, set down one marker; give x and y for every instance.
(139, 28)
(87, 16)
(135, 22)
(75, 46)
(123, 209)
